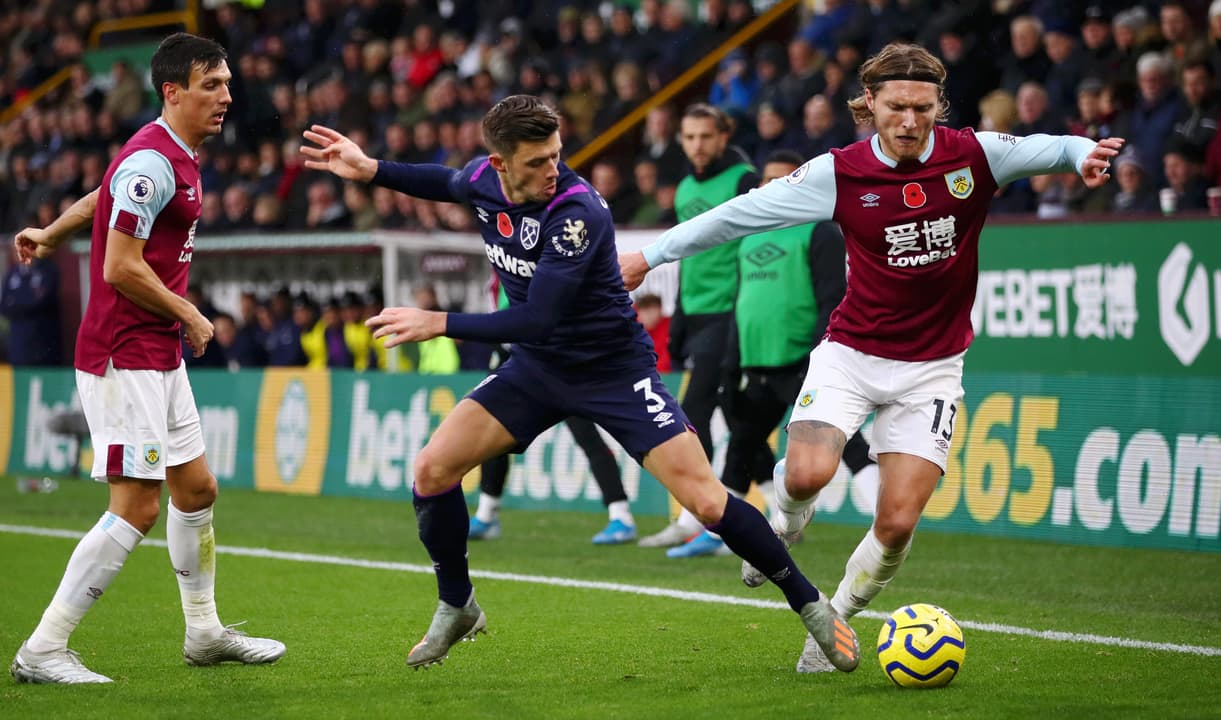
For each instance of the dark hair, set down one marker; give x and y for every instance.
(788, 157)
(178, 54)
(518, 119)
(724, 123)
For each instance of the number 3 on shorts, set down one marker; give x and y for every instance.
(653, 402)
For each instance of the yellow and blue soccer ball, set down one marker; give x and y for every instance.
(921, 646)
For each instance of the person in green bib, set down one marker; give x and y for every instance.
(707, 286)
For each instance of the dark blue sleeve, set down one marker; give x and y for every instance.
(425, 181)
(569, 233)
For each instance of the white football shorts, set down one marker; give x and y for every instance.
(140, 421)
(916, 402)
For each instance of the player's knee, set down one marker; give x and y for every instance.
(202, 496)
(808, 472)
(142, 513)
(895, 529)
(708, 508)
(429, 472)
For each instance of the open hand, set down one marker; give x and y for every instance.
(337, 154)
(403, 325)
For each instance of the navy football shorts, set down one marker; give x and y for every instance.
(636, 409)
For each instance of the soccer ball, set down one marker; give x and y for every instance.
(921, 646)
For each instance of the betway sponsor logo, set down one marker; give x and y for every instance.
(505, 261)
(382, 447)
(44, 450)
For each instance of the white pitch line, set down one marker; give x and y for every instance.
(1051, 635)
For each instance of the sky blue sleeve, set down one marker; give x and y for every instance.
(805, 196)
(1013, 157)
(142, 185)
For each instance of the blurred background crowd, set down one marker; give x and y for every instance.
(409, 80)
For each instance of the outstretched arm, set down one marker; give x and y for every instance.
(1012, 157)
(337, 154)
(808, 195)
(42, 242)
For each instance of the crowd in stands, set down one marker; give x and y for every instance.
(409, 80)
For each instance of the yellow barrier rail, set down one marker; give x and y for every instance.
(188, 18)
(680, 83)
(36, 94)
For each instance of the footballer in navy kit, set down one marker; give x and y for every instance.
(578, 350)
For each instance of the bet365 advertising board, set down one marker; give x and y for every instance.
(1092, 412)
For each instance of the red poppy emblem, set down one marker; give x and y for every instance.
(913, 195)
(504, 225)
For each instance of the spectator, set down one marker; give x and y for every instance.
(1182, 43)
(1090, 121)
(358, 337)
(1028, 60)
(268, 214)
(1214, 40)
(607, 178)
(660, 143)
(1196, 123)
(1183, 175)
(774, 134)
(438, 356)
(1134, 193)
(311, 331)
(648, 214)
(1151, 122)
(125, 99)
(326, 212)
(360, 207)
(649, 313)
(29, 299)
(969, 76)
(804, 78)
(1033, 111)
(735, 87)
(237, 209)
(821, 130)
(1066, 73)
(224, 337)
(338, 354)
(1101, 58)
(284, 340)
(250, 345)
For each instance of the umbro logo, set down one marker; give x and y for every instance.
(870, 200)
(663, 419)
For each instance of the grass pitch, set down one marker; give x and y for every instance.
(594, 650)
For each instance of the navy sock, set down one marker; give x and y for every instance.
(747, 533)
(444, 524)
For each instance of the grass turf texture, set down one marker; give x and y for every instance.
(581, 653)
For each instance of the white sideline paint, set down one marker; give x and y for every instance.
(1052, 635)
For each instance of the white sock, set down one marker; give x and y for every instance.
(193, 553)
(766, 489)
(95, 562)
(869, 568)
(619, 510)
(789, 514)
(688, 523)
(489, 508)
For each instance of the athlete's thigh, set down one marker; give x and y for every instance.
(522, 400)
(637, 409)
(185, 437)
(920, 419)
(467, 436)
(127, 415)
(836, 390)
